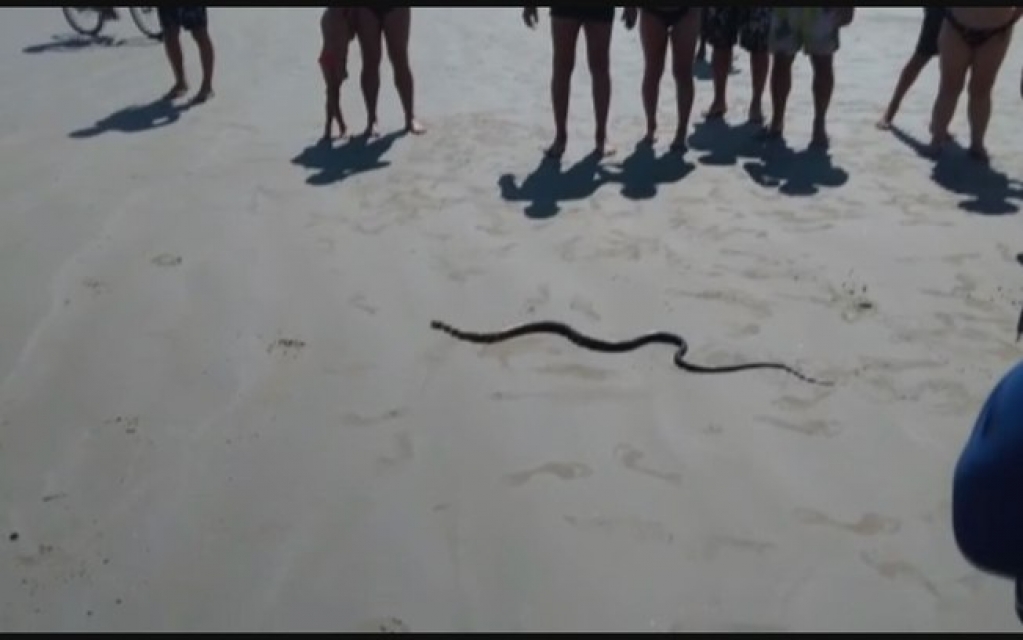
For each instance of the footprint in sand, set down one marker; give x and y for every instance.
(384, 625)
(561, 470)
(870, 524)
(632, 459)
(166, 260)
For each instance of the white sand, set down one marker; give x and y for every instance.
(167, 463)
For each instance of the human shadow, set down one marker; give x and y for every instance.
(549, 185)
(66, 43)
(988, 191)
(359, 154)
(795, 173)
(136, 118)
(726, 143)
(643, 171)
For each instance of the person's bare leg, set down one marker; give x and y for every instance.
(397, 27)
(206, 59)
(654, 38)
(954, 57)
(172, 46)
(823, 88)
(598, 56)
(683, 53)
(370, 33)
(564, 36)
(759, 64)
(721, 66)
(987, 61)
(909, 74)
(781, 86)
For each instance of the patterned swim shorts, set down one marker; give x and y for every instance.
(813, 30)
(748, 26)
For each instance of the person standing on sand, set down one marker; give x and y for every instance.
(596, 23)
(659, 27)
(337, 30)
(972, 39)
(750, 27)
(391, 25)
(926, 48)
(193, 20)
(987, 486)
(813, 30)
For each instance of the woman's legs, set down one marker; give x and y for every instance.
(654, 37)
(564, 36)
(598, 55)
(396, 28)
(955, 57)
(683, 49)
(987, 60)
(370, 31)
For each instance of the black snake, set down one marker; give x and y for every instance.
(586, 342)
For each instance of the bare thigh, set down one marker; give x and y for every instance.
(954, 58)
(564, 37)
(683, 43)
(370, 32)
(598, 45)
(396, 29)
(987, 60)
(654, 37)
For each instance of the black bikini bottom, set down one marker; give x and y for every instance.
(669, 17)
(975, 38)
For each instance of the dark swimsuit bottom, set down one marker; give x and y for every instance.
(589, 13)
(669, 17)
(381, 11)
(973, 37)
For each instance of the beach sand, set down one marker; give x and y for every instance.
(222, 406)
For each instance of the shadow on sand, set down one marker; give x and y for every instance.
(73, 42)
(643, 171)
(795, 173)
(136, 118)
(726, 143)
(549, 185)
(988, 191)
(335, 164)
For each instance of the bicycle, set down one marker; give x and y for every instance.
(89, 21)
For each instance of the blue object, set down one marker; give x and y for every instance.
(987, 487)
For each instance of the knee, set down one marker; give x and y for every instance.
(563, 66)
(600, 66)
(979, 91)
(653, 70)
(682, 72)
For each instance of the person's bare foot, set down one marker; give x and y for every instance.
(678, 145)
(772, 132)
(556, 148)
(372, 130)
(203, 95)
(885, 123)
(937, 144)
(979, 153)
(177, 91)
(819, 139)
(755, 115)
(604, 149)
(716, 111)
(414, 127)
(651, 133)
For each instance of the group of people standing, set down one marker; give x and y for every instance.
(969, 41)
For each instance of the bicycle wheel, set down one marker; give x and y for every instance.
(147, 20)
(87, 21)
